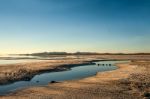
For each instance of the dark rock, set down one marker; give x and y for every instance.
(37, 81)
(53, 82)
(146, 94)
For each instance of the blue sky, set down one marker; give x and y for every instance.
(28, 26)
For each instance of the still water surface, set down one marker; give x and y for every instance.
(72, 74)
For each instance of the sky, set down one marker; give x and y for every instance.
(112, 26)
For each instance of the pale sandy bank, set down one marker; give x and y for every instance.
(97, 87)
(123, 83)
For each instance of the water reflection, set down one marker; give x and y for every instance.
(75, 73)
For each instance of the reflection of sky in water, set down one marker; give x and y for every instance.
(12, 59)
(2, 62)
(74, 73)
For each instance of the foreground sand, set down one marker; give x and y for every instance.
(130, 81)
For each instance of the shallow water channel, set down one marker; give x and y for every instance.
(74, 73)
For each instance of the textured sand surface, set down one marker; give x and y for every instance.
(130, 81)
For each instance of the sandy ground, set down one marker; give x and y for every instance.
(25, 71)
(130, 81)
